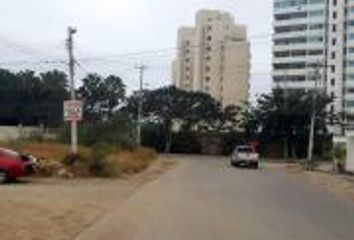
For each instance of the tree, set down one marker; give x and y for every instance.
(172, 108)
(8, 86)
(29, 99)
(285, 115)
(53, 93)
(101, 96)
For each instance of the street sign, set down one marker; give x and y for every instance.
(73, 110)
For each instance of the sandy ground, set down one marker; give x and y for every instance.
(339, 185)
(61, 209)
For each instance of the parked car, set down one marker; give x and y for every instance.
(245, 156)
(14, 165)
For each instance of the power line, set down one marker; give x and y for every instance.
(106, 59)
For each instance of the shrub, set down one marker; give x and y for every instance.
(101, 160)
(127, 162)
(117, 131)
(339, 153)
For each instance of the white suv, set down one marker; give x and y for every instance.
(245, 156)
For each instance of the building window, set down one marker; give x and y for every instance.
(333, 55)
(333, 69)
(208, 48)
(333, 82)
(207, 68)
(333, 96)
(207, 79)
(334, 28)
(334, 15)
(209, 38)
(209, 28)
(334, 41)
(208, 58)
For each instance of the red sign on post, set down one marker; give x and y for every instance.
(73, 111)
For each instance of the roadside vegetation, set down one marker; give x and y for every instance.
(108, 147)
(173, 120)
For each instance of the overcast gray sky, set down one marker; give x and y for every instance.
(113, 31)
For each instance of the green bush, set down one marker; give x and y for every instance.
(117, 132)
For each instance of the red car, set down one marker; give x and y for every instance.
(12, 165)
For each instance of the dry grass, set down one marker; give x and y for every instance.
(128, 162)
(114, 163)
(46, 151)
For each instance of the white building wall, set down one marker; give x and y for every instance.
(221, 58)
(349, 164)
(336, 76)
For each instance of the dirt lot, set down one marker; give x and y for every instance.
(340, 185)
(60, 209)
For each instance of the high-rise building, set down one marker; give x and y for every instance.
(317, 35)
(214, 57)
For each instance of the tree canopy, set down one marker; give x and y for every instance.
(285, 115)
(28, 99)
(101, 96)
(174, 108)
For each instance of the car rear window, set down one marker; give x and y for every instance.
(245, 149)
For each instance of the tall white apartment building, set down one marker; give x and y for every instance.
(310, 34)
(214, 57)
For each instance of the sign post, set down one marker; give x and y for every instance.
(73, 113)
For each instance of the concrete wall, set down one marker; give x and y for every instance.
(8, 133)
(349, 165)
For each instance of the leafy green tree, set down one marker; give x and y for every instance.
(53, 93)
(8, 86)
(285, 115)
(101, 96)
(29, 99)
(172, 108)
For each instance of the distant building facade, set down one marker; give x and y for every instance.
(214, 57)
(310, 34)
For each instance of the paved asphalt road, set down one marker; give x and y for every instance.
(205, 199)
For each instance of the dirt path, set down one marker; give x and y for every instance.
(42, 209)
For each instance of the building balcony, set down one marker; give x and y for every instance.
(294, 85)
(290, 72)
(298, 21)
(299, 8)
(319, 32)
(319, 45)
(293, 59)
